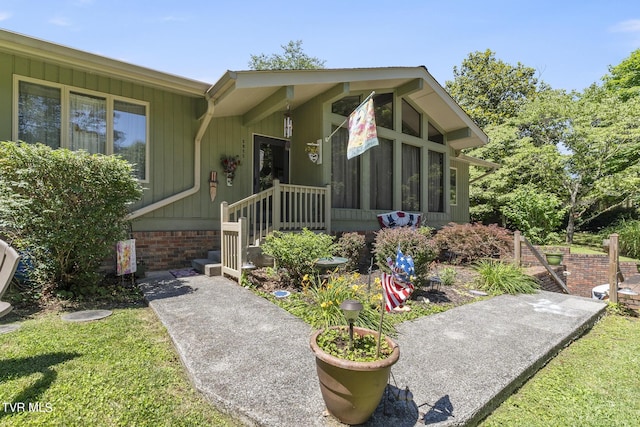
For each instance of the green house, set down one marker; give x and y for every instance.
(286, 129)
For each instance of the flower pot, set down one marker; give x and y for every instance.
(352, 390)
(229, 180)
(554, 259)
(313, 157)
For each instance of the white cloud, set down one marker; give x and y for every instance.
(60, 21)
(629, 26)
(4, 16)
(172, 18)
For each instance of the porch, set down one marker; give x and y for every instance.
(283, 207)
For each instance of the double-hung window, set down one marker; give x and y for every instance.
(66, 117)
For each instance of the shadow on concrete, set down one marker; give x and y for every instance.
(167, 288)
(396, 408)
(440, 411)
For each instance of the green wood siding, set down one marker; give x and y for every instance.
(172, 127)
(460, 211)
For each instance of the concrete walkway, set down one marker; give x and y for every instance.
(252, 359)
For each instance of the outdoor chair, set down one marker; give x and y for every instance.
(9, 259)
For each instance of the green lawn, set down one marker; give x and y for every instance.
(594, 382)
(119, 371)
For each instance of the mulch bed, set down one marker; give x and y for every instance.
(267, 280)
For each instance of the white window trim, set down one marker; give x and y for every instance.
(65, 91)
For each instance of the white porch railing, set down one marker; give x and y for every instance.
(281, 207)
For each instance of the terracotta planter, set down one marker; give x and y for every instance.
(554, 259)
(352, 390)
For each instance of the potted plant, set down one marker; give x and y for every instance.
(229, 166)
(352, 372)
(313, 151)
(554, 258)
(353, 363)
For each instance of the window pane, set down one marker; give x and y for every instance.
(130, 135)
(453, 186)
(383, 105)
(88, 123)
(345, 106)
(345, 174)
(436, 182)
(39, 114)
(435, 135)
(381, 179)
(410, 120)
(410, 178)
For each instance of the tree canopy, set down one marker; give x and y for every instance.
(292, 58)
(491, 91)
(576, 153)
(624, 78)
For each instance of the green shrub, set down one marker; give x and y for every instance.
(466, 243)
(629, 237)
(497, 277)
(415, 242)
(351, 246)
(65, 208)
(298, 252)
(447, 276)
(538, 215)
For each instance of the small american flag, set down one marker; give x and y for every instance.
(397, 286)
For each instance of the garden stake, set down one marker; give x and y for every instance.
(382, 309)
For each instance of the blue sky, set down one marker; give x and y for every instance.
(571, 43)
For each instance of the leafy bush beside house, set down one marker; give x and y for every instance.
(416, 242)
(298, 252)
(351, 246)
(467, 243)
(66, 209)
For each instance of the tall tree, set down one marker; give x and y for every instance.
(602, 165)
(490, 90)
(624, 78)
(292, 58)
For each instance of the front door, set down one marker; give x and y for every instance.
(270, 161)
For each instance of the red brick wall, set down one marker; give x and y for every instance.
(584, 271)
(162, 250)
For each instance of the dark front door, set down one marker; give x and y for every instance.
(270, 161)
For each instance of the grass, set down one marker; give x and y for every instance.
(119, 371)
(593, 382)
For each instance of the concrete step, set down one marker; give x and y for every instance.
(207, 267)
(214, 256)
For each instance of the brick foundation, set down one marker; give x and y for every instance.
(163, 250)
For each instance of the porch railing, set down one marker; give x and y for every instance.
(282, 207)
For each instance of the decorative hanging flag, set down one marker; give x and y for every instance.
(362, 129)
(126, 251)
(397, 286)
(399, 219)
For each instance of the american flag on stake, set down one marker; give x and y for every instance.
(397, 286)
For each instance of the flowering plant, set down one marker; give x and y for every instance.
(230, 164)
(312, 148)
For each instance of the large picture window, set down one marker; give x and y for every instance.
(39, 114)
(410, 178)
(381, 174)
(64, 117)
(453, 186)
(436, 182)
(345, 174)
